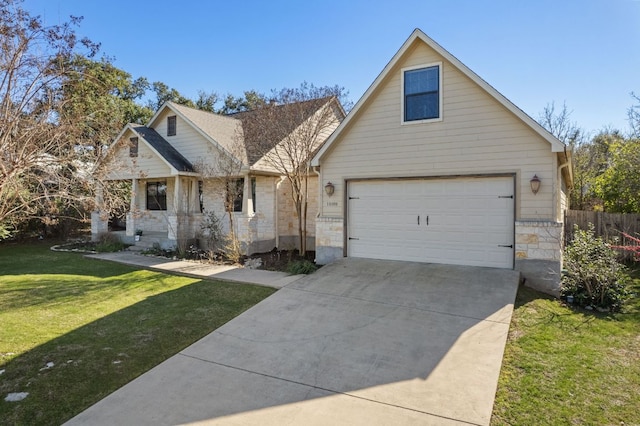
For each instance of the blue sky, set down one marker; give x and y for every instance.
(582, 52)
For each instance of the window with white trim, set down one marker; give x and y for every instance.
(422, 93)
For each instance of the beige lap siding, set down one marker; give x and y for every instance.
(477, 135)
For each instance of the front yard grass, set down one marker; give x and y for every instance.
(73, 330)
(569, 366)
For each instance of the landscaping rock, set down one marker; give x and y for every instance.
(16, 396)
(253, 263)
(48, 366)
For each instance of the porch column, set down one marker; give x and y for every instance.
(194, 202)
(133, 206)
(174, 212)
(99, 221)
(177, 196)
(247, 199)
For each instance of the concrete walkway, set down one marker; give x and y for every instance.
(359, 342)
(200, 270)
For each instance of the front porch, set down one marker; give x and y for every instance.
(166, 211)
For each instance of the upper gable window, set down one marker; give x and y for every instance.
(422, 93)
(171, 125)
(133, 147)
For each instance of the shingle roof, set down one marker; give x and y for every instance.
(224, 130)
(164, 148)
(243, 134)
(281, 114)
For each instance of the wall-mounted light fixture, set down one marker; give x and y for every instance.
(535, 184)
(329, 188)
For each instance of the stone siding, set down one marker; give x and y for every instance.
(539, 254)
(288, 219)
(329, 239)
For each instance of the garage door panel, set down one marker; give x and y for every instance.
(468, 220)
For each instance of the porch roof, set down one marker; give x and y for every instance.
(164, 148)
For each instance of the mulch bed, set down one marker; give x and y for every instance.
(278, 260)
(275, 260)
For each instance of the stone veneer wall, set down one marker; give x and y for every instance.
(329, 239)
(539, 254)
(288, 218)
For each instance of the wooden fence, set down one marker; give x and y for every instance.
(607, 225)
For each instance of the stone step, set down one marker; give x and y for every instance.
(151, 240)
(147, 242)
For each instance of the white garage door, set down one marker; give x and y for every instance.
(465, 221)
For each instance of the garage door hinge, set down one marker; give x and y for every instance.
(505, 196)
(509, 246)
(354, 198)
(353, 238)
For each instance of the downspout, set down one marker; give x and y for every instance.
(275, 203)
(559, 188)
(316, 171)
(320, 203)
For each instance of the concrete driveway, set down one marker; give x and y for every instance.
(358, 342)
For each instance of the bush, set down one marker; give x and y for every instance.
(593, 275)
(211, 228)
(301, 267)
(108, 242)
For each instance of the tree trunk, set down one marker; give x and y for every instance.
(301, 244)
(303, 251)
(232, 230)
(302, 226)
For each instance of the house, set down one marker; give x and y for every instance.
(182, 164)
(434, 165)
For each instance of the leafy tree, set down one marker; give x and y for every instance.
(102, 99)
(250, 101)
(207, 101)
(41, 173)
(164, 93)
(619, 184)
(590, 160)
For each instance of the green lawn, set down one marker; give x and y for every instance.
(565, 366)
(101, 325)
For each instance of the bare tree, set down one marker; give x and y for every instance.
(559, 124)
(43, 173)
(223, 168)
(634, 116)
(286, 132)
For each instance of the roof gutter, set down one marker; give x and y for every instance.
(559, 184)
